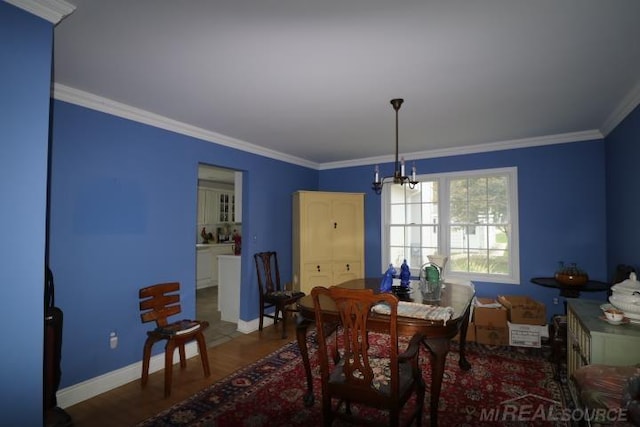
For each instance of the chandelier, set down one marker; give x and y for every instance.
(399, 176)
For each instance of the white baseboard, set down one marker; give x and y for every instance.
(84, 390)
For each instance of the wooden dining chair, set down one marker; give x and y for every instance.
(272, 293)
(157, 303)
(351, 373)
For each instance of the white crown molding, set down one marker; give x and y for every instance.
(98, 103)
(94, 102)
(631, 101)
(472, 149)
(53, 11)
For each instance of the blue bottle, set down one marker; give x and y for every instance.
(387, 280)
(405, 275)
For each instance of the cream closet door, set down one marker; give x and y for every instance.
(328, 238)
(316, 242)
(348, 238)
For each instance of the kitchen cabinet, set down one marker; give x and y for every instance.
(229, 287)
(207, 205)
(225, 206)
(328, 238)
(207, 263)
(203, 266)
(216, 206)
(591, 340)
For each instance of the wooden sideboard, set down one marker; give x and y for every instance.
(591, 340)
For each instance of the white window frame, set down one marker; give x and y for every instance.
(443, 180)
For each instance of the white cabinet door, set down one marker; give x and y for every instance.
(225, 206)
(207, 206)
(229, 287)
(203, 268)
(215, 251)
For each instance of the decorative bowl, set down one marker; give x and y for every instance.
(572, 279)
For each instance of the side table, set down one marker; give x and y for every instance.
(571, 291)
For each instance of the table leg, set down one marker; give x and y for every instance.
(438, 349)
(463, 362)
(301, 336)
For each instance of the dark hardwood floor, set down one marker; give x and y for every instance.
(129, 404)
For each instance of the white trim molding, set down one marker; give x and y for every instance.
(98, 103)
(562, 138)
(79, 392)
(53, 11)
(628, 104)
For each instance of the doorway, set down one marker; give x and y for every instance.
(219, 216)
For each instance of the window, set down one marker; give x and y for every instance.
(471, 217)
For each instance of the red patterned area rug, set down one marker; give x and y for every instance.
(506, 386)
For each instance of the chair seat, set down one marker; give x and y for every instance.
(284, 295)
(180, 328)
(381, 367)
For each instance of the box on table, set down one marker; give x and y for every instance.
(492, 335)
(489, 312)
(527, 335)
(524, 309)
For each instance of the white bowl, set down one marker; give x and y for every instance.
(631, 310)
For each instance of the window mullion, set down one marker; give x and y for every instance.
(444, 219)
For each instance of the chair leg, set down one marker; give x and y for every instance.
(202, 348)
(284, 323)
(183, 356)
(168, 366)
(146, 356)
(261, 317)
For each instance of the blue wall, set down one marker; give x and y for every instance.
(623, 188)
(123, 215)
(561, 190)
(25, 78)
(124, 206)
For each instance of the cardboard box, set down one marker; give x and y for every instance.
(489, 315)
(491, 335)
(527, 335)
(524, 310)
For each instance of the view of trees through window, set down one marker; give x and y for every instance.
(465, 216)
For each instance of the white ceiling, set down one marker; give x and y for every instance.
(313, 79)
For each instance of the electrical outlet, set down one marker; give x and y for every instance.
(555, 301)
(113, 340)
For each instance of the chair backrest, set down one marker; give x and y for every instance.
(158, 302)
(354, 308)
(268, 271)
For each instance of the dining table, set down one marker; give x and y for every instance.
(437, 334)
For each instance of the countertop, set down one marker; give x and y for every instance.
(208, 245)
